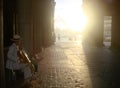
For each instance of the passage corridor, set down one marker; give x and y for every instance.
(78, 65)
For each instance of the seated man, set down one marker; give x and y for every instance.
(13, 59)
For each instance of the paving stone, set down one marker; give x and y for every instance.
(68, 65)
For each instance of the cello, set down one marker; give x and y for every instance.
(23, 58)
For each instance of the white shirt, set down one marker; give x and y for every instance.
(12, 58)
(13, 64)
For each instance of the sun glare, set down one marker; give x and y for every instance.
(69, 15)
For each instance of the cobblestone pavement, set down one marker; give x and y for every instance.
(75, 65)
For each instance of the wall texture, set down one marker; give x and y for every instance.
(35, 23)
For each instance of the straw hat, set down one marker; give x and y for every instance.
(16, 38)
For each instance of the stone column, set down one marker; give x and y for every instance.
(116, 26)
(93, 32)
(48, 22)
(38, 17)
(2, 68)
(24, 22)
(8, 10)
(52, 9)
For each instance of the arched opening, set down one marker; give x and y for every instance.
(107, 30)
(69, 20)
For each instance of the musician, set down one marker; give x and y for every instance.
(13, 60)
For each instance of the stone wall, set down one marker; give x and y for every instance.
(2, 67)
(93, 32)
(116, 25)
(35, 23)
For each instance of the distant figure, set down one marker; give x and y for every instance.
(58, 36)
(15, 59)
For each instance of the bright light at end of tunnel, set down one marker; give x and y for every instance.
(76, 21)
(72, 16)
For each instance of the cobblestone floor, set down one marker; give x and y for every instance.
(73, 65)
(61, 68)
(77, 65)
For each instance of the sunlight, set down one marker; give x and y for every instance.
(69, 15)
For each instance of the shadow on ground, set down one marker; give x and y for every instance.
(103, 66)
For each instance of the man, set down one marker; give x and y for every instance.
(13, 60)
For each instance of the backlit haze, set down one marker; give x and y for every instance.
(69, 15)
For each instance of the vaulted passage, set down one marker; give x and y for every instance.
(82, 62)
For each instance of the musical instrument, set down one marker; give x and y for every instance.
(23, 58)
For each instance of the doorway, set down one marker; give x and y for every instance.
(107, 31)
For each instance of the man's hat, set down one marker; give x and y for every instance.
(16, 38)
